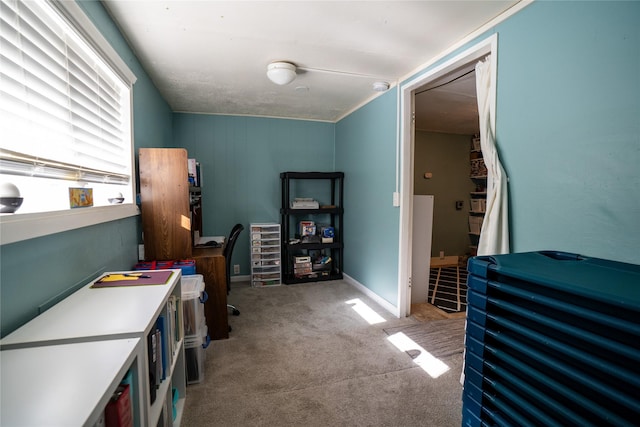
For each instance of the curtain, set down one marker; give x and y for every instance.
(494, 236)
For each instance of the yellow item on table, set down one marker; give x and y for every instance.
(117, 277)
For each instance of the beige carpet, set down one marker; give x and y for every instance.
(304, 355)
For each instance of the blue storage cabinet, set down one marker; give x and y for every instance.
(552, 339)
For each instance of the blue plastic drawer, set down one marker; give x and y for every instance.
(476, 331)
(608, 282)
(476, 315)
(472, 360)
(472, 392)
(469, 418)
(477, 284)
(476, 299)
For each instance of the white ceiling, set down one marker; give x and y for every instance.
(449, 104)
(212, 56)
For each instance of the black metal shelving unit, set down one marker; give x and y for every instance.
(332, 215)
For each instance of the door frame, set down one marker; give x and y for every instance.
(407, 136)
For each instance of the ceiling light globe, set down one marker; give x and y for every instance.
(281, 73)
(381, 86)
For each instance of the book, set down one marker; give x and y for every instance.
(152, 367)
(161, 324)
(118, 412)
(158, 357)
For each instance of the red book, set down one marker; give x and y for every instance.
(118, 412)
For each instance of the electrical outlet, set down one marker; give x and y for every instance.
(236, 269)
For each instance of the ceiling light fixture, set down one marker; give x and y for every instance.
(381, 86)
(281, 73)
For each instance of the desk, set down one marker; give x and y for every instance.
(211, 264)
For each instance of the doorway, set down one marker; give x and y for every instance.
(455, 67)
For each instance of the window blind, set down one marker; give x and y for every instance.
(63, 112)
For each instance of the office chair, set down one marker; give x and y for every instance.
(228, 251)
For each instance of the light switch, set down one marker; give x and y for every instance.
(396, 199)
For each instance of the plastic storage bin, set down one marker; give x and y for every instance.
(194, 355)
(193, 298)
(552, 339)
(188, 266)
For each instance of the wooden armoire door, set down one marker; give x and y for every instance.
(164, 193)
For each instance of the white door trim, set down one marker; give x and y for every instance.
(474, 53)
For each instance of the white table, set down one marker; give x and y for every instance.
(91, 314)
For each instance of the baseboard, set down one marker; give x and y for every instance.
(245, 278)
(368, 292)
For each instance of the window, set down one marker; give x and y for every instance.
(65, 110)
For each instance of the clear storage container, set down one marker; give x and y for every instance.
(193, 299)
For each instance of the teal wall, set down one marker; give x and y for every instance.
(366, 153)
(568, 126)
(36, 273)
(241, 159)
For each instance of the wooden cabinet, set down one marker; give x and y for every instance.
(165, 198)
(211, 264)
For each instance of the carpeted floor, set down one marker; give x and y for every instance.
(304, 355)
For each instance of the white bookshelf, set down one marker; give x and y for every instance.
(66, 384)
(108, 314)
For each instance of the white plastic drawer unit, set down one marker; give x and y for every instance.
(265, 254)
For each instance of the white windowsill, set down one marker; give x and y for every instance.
(15, 228)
